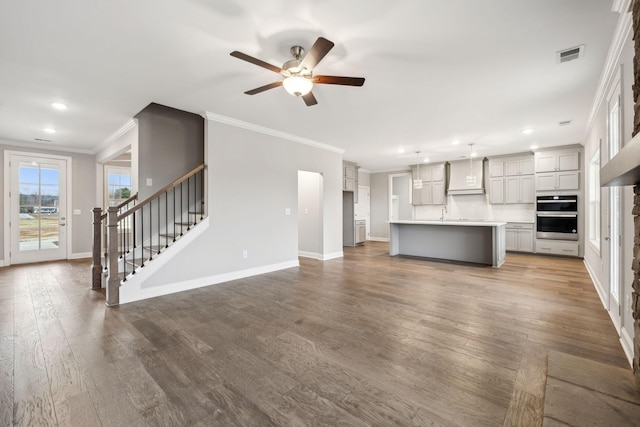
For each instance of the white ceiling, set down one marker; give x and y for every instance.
(436, 70)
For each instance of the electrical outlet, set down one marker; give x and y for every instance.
(149, 182)
(245, 254)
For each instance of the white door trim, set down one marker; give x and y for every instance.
(7, 205)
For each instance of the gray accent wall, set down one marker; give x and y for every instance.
(83, 197)
(252, 180)
(170, 144)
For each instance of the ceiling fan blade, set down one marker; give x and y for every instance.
(309, 99)
(255, 61)
(337, 80)
(318, 51)
(263, 88)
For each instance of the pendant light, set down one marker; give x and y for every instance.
(417, 183)
(471, 178)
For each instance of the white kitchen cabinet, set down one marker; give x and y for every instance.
(518, 167)
(350, 179)
(557, 161)
(519, 189)
(519, 237)
(496, 190)
(514, 182)
(557, 247)
(496, 168)
(433, 185)
(554, 181)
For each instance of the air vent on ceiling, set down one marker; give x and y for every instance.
(42, 140)
(564, 123)
(570, 54)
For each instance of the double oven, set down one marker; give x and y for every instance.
(557, 217)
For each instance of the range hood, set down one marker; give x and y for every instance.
(457, 182)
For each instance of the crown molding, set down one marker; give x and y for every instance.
(130, 124)
(44, 146)
(622, 6)
(609, 70)
(268, 131)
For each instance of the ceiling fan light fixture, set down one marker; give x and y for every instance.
(297, 85)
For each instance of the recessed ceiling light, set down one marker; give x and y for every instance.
(49, 130)
(426, 160)
(533, 147)
(474, 154)
(400, 150)
(527, 131)
(456, 142)
(59, 106)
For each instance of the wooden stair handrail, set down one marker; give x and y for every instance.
(129, 200)
(162, 190)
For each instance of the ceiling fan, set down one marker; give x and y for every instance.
(297, 73)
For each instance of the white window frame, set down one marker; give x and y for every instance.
(594, 196)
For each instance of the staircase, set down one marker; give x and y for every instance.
(127, 237)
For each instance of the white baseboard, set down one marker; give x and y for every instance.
(320, 257)
(596, 284)
(170, 288)
(81, 255)
(2, 263)
(313, 255)
(379, 239)
(334, 255)
(627, 345)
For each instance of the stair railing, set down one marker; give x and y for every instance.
(138, 234)
(99, 237)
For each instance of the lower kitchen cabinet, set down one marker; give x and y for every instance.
(557, 247)
(519, 237)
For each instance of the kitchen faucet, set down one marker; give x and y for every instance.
(443, 211)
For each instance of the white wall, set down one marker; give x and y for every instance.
(594, 259)
(310, 186)
(252, 179)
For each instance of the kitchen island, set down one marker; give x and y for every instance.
(480, 242)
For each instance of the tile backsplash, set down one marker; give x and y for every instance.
(476, 207)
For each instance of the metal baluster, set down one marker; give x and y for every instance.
(123, 252)
(201, 194)
(150, 231)
(135, 246)
(142, 233)
(181, 208)
(166, 218)
(174, 213)
(188, 205)
(159, 244)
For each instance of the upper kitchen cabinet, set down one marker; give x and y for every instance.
(518, 166)
(553, 161)
(431, 190)
(350, 177)
(558, 170)
(511, 180)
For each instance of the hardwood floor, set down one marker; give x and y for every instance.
(364, 340)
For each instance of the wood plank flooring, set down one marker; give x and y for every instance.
(364, 340)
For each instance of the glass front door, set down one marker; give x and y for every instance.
(38, 205)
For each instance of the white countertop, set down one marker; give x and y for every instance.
(451, 222)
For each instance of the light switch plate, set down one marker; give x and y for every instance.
(149, 182)
(287, 211)
(76, 211)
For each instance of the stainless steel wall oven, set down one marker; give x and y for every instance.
(557, 217)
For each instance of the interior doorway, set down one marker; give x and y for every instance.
(37, 199)
(400, 201)
(310, 216)
(363, 207)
